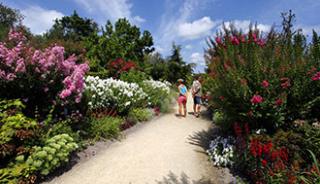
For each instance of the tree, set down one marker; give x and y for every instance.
(8, 19)
(156, 66)
(177, 67)
(73, 28)
(121, 40)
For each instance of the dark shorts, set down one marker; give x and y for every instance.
(197, 100)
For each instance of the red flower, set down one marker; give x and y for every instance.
(242, 38)
(274, 155)
(218, 40)
(267, 147)
(256, 99)
(237, 129)
(246, 128)
(235, 41)
(264, 162)
(284, 154)
(285, 82)
(221, 98)
(265, 83)
(316, 76)
(279, 102)
(255, 148)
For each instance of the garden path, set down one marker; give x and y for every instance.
(158, 151)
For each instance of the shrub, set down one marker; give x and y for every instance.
(267, 80)
(55, 151)
(111, 93)
(133, 76)
(106, 127)
(15, 129)
(221, 151)
(139, 115)
(157, 91)
(43, 159)
(40, 78)
(63, 127)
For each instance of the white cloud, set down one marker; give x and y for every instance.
(244, 25)
(158, 48)
(139, 19)
(177, 17)
(307, 30)
(188, 47)
(110, 9)
(196, 29)
(197, 58)
(38, 19)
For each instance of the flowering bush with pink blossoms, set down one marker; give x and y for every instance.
(40, 78)
(265, 79)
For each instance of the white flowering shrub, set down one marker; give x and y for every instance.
(157, 91)
(221, 151)
(105, 93)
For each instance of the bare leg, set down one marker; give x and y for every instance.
(185, 110)
(198, 109)
(180, 109)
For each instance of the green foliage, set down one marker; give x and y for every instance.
(55, 151)
(122, 40)
(106, 127)
(16, 173)
(177, 68)
(15, 128)
(156, 66)
(73, 28)
(157, 92)
(276, 67)
(140, 115)
(63, 127)
(312, 176)
(8, 19)
(133, 76)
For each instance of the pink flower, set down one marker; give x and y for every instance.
(316, 76)
(65, 93)
(279, 102)
(256, 99)
(265, 83)
(235, 41)
(218, 40)
(242, 38)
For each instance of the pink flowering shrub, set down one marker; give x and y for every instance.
(39, 78)
(265, 79)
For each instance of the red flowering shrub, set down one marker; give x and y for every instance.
(119, 66)
(267, 80)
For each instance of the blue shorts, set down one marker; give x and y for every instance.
(197, 100)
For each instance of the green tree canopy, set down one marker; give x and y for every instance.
(121, 40)
(8, 19)
(177, 67)
(73, 27)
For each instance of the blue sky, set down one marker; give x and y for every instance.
(185, 22)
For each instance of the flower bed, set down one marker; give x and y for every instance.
(267, 81)
(113, 93)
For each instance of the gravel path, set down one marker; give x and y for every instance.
(156, 152)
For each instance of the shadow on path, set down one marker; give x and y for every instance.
(172, 178)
